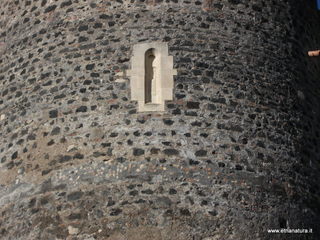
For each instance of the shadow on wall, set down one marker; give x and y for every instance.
(306, 87)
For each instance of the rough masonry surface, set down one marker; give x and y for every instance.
(235, 153)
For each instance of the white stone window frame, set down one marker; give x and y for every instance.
(163, 73)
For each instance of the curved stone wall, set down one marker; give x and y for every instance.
(234, 154)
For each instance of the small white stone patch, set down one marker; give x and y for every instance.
(72, 230)
(301, 95)
(120, 80)
(71, 148)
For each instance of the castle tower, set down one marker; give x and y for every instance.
(233, 154)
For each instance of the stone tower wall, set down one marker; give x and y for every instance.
(235, 153)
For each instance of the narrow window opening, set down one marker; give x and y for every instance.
(151, 76)
(150, 81)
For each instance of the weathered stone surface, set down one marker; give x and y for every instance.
(236, 151)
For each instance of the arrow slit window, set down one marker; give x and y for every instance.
(151, 76)
(150, 81)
